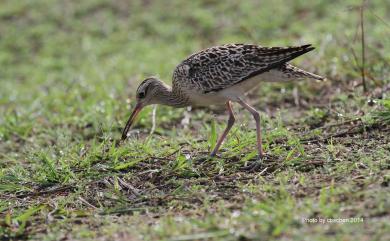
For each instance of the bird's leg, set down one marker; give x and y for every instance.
(228, 127)
(256, 116)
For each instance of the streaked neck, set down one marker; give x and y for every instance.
(166, 96)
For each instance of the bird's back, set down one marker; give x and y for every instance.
(220, 67)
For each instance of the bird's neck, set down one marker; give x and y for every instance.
(172, 97)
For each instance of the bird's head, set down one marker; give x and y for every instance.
(148, 93)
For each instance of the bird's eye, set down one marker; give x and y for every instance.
(141, 95)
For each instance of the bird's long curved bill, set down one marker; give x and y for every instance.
(131, 119)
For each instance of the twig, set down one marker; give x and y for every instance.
(153, 120)
(201, 236)
(264, 170)
(55, 190)
(189, 143)
(87, 203)
(363, 46)
(123, 211)
(339, 134)
(130, 187)
(349, 121)
(381, 19)
(350, 131)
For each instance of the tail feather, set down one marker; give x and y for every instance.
(297, 73)
(284, 54)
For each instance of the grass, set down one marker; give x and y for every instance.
(68, 74)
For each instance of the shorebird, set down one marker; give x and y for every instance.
(221, 75)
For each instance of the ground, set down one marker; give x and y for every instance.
(68, 75)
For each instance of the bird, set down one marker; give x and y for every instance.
(221, 75)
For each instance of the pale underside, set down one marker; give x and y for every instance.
(235, 92)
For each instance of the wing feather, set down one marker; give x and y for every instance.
(219, 67)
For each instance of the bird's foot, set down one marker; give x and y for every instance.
(261, 155)
(256, 164)
(213, 154)
(211, 157)
(253, 166)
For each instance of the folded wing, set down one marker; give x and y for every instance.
(220, 67)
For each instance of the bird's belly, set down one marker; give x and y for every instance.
(233, 92)
(248, 85)
(239, 90)
(212, 98)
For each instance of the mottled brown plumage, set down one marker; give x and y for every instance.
(221, 75)
(219, 67)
